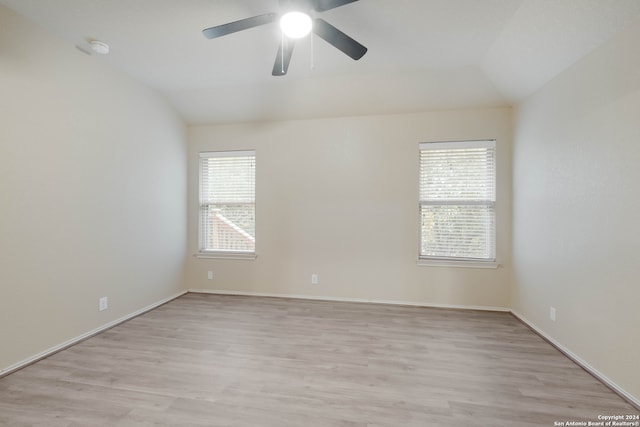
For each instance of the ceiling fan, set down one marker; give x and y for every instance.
(296, 14)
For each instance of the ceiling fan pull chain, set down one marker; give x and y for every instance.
(313, 65)
(282, 51)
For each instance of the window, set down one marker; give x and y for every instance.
(227, 202)
(457, 201)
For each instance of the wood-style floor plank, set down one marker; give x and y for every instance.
(211, 360)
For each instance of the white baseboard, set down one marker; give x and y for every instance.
(582, 363)
(340, 299)
(69, 343)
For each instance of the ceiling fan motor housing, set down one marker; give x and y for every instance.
(296, 5)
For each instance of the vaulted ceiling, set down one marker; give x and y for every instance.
(423, 54)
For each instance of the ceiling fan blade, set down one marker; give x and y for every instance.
(337, 38)
(243, 24)
(322, 5)
(283, 58)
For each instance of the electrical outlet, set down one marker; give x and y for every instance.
(103, 303)
(552, 314)
(210, 275)
(314, 279)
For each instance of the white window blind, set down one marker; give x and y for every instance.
(457, 200)
(227, 201)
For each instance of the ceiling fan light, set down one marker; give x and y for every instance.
(295, 24)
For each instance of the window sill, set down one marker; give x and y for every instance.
(456, 263)
(227, 255)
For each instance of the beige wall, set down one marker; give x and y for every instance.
(576, 209)
(338, 198)
(92, 193)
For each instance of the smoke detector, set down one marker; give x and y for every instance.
(99, 47)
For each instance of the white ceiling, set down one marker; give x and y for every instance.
(423, 54)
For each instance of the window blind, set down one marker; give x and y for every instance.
(457, 200)
(227, 201)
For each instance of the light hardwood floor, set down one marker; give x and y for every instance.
(209, 360)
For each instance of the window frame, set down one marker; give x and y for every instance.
(436, 261)
(222, 254)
